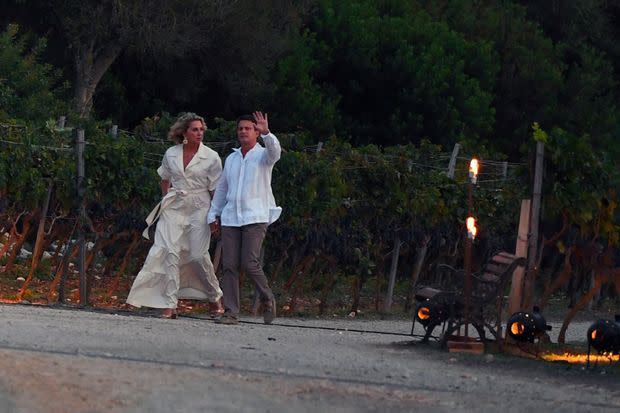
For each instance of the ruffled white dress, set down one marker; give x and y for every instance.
(178, 264)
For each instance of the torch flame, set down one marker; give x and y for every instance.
(473, 169)
(471, 227)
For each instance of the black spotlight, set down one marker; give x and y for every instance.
(604, 336)
(429, 312)
(525, 326)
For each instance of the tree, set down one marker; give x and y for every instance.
(230, 73)
(575, 22)
(29, 89)
(587, 36)
(97, 32)
(556, 64)
(394, 75)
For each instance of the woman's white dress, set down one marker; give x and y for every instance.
(178, 264)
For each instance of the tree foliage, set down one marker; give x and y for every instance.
(387, 85)
(393, 73)
(582, 184)
(30, 90)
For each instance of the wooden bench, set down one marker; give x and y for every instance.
(445, 304)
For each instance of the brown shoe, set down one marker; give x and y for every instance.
(227, 318)
(269, 311)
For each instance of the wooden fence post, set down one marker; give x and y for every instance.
(80, 143)
(516, 286)
(61, 122)
(392, 276)
(452, 164)
(530, 275)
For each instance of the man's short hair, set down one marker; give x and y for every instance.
(246, 117)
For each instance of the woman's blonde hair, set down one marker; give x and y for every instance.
(175, 134)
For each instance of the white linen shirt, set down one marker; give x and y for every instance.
(243, 195)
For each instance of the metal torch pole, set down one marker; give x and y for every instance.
(467, 262)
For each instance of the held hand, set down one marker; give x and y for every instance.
(262, 123)
(215, 228)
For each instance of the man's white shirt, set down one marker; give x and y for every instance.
(243, 195)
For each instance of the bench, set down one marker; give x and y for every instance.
(445, 304)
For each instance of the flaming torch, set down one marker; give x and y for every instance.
(471, 234)
(471, 228)
(473, 170)
(470, 223)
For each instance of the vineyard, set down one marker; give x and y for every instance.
(346, 211)
(352, 217)
(355, 216)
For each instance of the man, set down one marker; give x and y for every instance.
(242, 208)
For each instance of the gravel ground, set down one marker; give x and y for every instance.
(56, 360)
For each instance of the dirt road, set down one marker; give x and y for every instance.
(81, 361)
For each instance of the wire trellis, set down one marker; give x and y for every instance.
(492, 171)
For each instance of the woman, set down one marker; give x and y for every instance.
(178, 264)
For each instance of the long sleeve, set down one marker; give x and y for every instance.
(243, 195)
(219, 199)
(274, 150)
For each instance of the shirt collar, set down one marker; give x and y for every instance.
(258, 145)
(203, 151)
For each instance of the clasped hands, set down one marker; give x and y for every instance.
(215, 228)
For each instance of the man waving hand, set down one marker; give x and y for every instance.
(242, 208)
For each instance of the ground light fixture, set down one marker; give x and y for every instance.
(429, 312)
(527, 326)
(604, 336)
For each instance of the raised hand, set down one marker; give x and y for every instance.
(262, 124)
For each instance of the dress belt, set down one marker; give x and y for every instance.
(172, 195)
